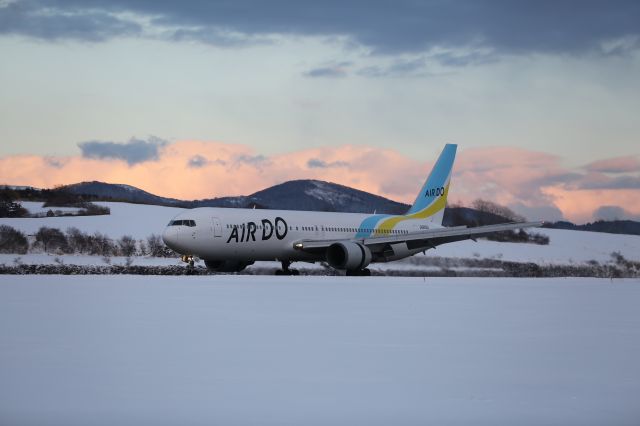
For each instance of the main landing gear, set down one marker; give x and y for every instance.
(188, 259)
(285, 269)
(366, 272)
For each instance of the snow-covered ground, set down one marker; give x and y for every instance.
(37, 207)
(238, 350)
(564, 247)
(140, 221)
(137, 220)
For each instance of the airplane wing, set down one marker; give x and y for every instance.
(423, 239)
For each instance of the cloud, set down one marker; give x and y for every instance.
(549, 212)
(55, 162)
(52, 21)
(332, 70)
(415, 67)
(197, 161)
(535, 184)
(133, 152)
(252, 160)
(390, 28)
(603, 181)
(217, 37)
(614, 213)
(453, 59)
(628, 164)
(315, 163)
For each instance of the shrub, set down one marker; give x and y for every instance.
(12, 240)
(91, 209)
(12, 209)
(157, 248)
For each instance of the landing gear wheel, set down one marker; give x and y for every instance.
(359, 273)
(285, 269)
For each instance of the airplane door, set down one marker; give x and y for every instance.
(217, 227)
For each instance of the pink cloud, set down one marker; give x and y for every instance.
(510, 176)
(615, 165)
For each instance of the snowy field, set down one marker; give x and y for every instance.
(137, 220)
(140, 221)
(238, 350)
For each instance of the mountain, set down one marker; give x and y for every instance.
(292, 195)
(118, 192)
(311, 195)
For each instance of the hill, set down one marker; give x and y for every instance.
(310, 195)
(628, 227)
(118, 192)
(292, 195)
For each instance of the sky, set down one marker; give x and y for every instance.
(197, 99)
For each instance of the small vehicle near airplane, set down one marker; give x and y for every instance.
(229, 240)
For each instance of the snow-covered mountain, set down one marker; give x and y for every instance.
(311, 195)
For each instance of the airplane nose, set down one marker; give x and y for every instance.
(170, 237)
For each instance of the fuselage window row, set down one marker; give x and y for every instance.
(304, 228)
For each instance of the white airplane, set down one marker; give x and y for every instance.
(228, 239)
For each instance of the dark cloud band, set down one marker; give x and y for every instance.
(386, 27)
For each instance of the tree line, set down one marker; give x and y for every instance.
(74, 241)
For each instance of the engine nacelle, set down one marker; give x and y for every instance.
(348, 255)
(226, 265)
(397, 251)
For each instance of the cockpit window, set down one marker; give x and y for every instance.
(187, 222)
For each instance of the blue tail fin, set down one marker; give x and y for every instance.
(432, 198)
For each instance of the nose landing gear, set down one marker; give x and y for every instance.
(188, 259)
(285, 269)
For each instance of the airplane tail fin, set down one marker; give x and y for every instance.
(432, 199)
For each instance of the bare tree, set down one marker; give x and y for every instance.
(142, 248)
(497, 209)
(127, 245)
(78, 240)
(52, 239)
(12, 240)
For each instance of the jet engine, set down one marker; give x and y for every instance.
(348, 255)
(226, 265)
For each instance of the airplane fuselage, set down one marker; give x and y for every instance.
(255, 234)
